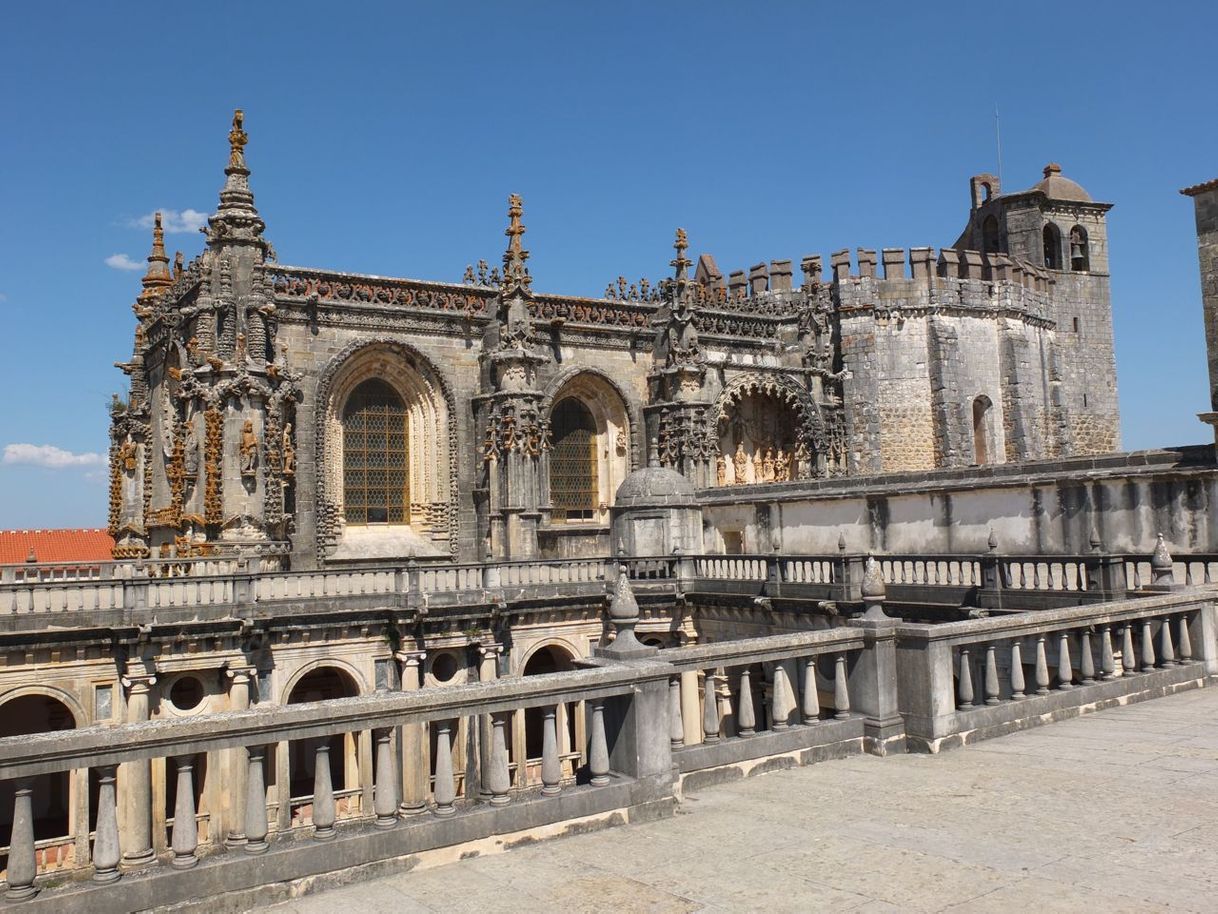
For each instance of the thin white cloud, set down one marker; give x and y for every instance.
(3, 298)
(173, 221)
(122, 262)
(49, 456)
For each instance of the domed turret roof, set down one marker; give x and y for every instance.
(1057, 187)
(654, 485)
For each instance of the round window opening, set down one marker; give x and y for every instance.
(186, 693)
(444, 667)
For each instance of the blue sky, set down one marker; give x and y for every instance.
(385, 138)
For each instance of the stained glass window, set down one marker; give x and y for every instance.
(573, 489)
(376, 489)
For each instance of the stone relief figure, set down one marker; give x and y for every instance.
(289, 451)
(802, 463)
(740, 463)
(782, 466)
(767, 465)
(681, 345)
(249, 449)
(191, 457)
(758, 466)
(721, 470)
(621, 441)
(128, 451)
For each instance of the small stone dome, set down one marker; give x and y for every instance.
(1056, 187)
(654, 485)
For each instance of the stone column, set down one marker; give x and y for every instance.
(416, 764)
(488, 671)
(236, 760)
(1205, 208)
(137, 777)
(691, 708)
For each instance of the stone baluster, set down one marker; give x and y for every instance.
(1086, 661)
(1017, 682)
(991, 674)
(551, 770)
(710, 710)
(106, 852)
(1186, 641)
(256, 828)
(811, 699)
(1107, 658)
(1042, 667)
(746, 716)
(841, 694)
(240, 679)
(445, 790)
(415, 765)
(598, 748)
(1167, 650)
(1148, 647)
(324, 812)
(779, 706)
(137, 779)
(185, 839)
(676, 724)
(384, 791)
(964, 685)
(488, 671)
(1129, 660)
(498, 778)
(1065, 672)
(22, 862)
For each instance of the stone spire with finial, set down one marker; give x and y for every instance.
(681, 263)
(157, 278)
(516, 278)
(236, 220)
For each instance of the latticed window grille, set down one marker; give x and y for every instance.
(573, 488)
(376, 487)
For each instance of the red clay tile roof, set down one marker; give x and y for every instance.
(1200, 188)
(55, 546)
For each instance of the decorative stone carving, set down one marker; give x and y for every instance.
(249, 449)
(289, 452)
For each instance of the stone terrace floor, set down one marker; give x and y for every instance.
(1116, 811)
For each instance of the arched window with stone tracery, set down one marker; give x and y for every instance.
(573, 464)
(376, 485)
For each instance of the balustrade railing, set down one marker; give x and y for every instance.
(732, 691)
(994, 667)
(426, 781)
(950, 571)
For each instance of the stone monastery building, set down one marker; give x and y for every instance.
(329, 417)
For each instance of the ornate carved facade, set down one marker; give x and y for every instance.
(506, 418)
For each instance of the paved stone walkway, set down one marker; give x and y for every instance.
(1116, 811)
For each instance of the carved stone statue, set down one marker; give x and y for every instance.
(249, 449)
(128, 451)
(758, 466)
(190, 459)
(767, 465)
(802, 462)
(782, 466)
(740, 463)
(720, 470)
(289, 451)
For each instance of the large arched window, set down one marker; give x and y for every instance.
(376, 488)
(1080, 256)
(1053, 247)
(573, 466)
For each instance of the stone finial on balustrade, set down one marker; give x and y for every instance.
(874, 591)
(624, 614)
(992, 542)
(1161, 564)
(841, 541)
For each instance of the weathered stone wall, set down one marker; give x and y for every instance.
(1049, 507)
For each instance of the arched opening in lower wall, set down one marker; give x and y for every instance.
(53, 796)
(324, 683)
(548, 659)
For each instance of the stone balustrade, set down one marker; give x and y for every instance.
(650, 726)
(969, 680)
